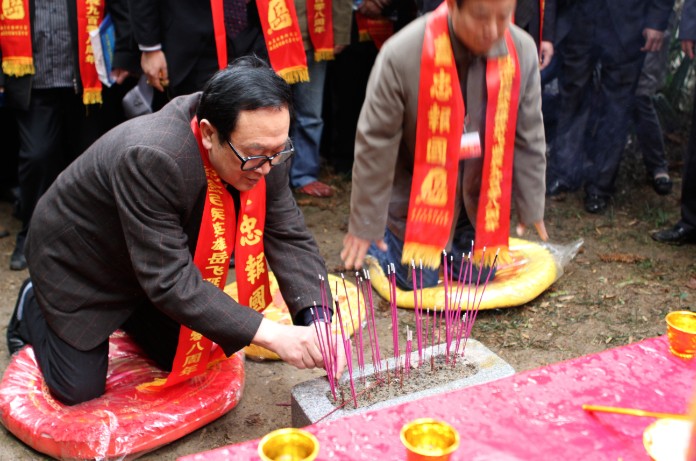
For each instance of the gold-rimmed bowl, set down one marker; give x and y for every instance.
(428, 439)
(681, 333)
(289, 444)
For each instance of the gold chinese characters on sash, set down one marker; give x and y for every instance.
(221, 232)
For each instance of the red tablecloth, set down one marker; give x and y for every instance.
(532, 415)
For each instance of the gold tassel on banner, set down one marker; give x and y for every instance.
(503, 252)
(18, 67)
(430, 255)
(152, 386)
(323, 55)
(295, 75)
(364, 36)
(91, 96)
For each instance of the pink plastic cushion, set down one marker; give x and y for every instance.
(124, 422)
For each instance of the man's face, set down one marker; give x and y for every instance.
(258, 132)
(479, 24)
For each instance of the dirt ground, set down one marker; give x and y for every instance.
(616, 291)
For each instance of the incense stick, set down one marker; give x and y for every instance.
(349, 354)
(633, 412)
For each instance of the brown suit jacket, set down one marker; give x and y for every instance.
(118, 230)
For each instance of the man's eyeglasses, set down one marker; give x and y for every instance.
(254, 162)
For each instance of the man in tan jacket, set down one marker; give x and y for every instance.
(385, 150)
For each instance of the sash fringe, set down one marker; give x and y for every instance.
(364, 36)
(91, 96)
(295, 75)
(430, 255)
(154, 385)
(504, 257)
(323, 55)
(18, 67)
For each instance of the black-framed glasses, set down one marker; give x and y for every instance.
(254, 162)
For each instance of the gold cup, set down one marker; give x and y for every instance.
(428, 439)
(289, 445)
(681, 332)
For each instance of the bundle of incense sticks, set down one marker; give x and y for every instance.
(462, 300)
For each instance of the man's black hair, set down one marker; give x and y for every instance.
(246, 84)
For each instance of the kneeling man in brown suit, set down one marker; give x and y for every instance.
(139, 231)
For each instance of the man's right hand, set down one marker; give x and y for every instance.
(688, 48)
(154, 66)
(355, 249)
(296, 345)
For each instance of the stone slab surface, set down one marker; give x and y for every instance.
(310, 403)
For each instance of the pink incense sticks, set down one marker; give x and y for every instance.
(450, 326)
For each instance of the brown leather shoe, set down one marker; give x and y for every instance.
(316, 189)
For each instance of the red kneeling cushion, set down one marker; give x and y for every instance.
(124, 422)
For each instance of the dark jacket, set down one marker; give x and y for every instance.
(532, 26)
(18, 89)
(687, 27)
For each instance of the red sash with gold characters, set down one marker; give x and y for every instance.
(320, 25)
(281, 33)
(89, 15)
(377, 30)
(437, 154)
(218, 236)
(493, 215)
(15, 41)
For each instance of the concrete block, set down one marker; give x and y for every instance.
(310, 401)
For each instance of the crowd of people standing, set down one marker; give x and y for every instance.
(608, 59)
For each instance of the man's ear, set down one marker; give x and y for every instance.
(207, 133)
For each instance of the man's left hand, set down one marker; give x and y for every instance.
(545, 54)
(119, 75)
(653, 39)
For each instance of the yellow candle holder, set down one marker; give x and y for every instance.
(681, 333)
(289, 445)
(428, 439)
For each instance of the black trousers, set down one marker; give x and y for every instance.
(344, 93)
(599, 78)
(53, 132)
(688, 192)
(74, 376)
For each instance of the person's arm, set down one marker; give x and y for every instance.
(125, 51)
(529, 166)
(146, 25)
(656, 22)
(548, 34)
(342, 11)
(376, 149)
(687, 27)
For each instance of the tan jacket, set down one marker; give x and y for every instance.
(386, 135)
(342, 11)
